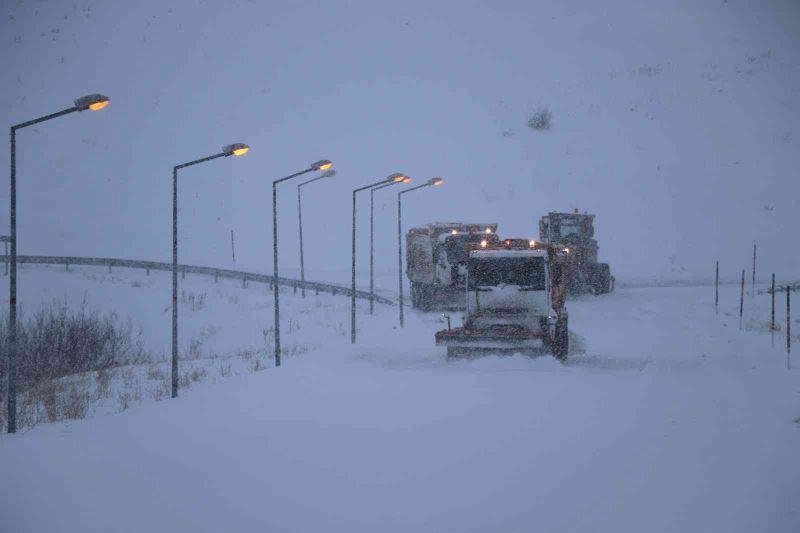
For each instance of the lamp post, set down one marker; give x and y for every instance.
(93, 102)
(322, 164)
(389, 180)
(328, 174)
(432, 181)
(236, 149)
(372, 239)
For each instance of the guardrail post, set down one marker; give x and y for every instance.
(295, 288)
(716, 291)
(183, 273)
(148, 271)
(66, 266)
(772, 321)
(216, 276)
(741, 302)
(316, 291)
(109, 268)
(244, 281)
(788, 328)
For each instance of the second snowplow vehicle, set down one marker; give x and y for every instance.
(574, 232)
(515, 301)
(436, 261)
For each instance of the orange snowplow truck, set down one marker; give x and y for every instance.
(515, 301)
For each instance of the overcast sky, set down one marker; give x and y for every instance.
(676, 123)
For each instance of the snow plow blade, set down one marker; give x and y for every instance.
(507, 339)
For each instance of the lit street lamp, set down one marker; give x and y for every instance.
(432, 181)
(93, 102)
(236, 149)
(328, 174)
(371, 241)
(322, 164)
(390, 180)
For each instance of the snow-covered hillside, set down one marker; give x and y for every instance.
(675, 122)
(666, 417)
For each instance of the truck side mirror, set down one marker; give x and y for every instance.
(445, 315)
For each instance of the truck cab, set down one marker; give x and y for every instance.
(514, 302)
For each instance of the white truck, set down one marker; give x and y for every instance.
(436, 256)
(515, 301)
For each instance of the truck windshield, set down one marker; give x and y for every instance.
(456, 245)
(493, 271)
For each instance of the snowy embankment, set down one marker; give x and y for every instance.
(666, 418)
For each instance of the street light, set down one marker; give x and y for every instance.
(235, 149)
(327, 174)
(322, 164)
(433, 181)
(372, 238)
(389, 180)
(93, 102)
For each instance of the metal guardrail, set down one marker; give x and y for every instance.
(795, 286)
(217, 273)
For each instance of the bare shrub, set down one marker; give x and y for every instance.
(197, 374)
(296, 349)
(256, 366)
(269, 335)
(47, 393)
(195, 347)
(225, 370)
(197, 341)
(195, 301)
(131, 388)
(102, 380)
(184, 381)
(75, 401)
(340, 329)
(156, 373)
(161, 390)
(124, 400)
(58, 341)
(540, 119)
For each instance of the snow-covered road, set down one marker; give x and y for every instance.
(667, 418)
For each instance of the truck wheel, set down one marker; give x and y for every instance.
(601, 278)
(424, 301)
(561, 340)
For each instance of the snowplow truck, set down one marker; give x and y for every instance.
(515, 302)
(436, 257)
(574, 234)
